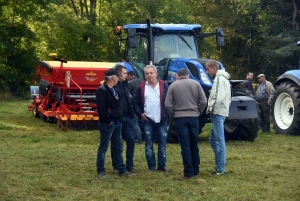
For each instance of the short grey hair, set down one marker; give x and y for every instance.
(109, 77)
(151, 66)
(183, 72)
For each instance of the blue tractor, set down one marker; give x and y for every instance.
(285, 106)
(171, 47)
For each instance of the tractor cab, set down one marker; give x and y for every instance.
(167, 46)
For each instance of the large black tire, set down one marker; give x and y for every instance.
(172, 133)
(285, 109)
(241, 131)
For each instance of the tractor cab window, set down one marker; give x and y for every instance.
(138, 56)
(172, 45)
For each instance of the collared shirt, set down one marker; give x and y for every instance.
(262, 92)
(152, 102)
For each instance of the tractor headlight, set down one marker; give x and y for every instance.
(204, 77)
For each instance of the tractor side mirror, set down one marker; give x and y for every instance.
(132, 39)
(220, 37)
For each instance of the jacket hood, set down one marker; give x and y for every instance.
(223, 73)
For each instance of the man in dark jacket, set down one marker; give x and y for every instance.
(149, 105)
(127, 131)
(247, 84)
(110, 124)
(133, 84)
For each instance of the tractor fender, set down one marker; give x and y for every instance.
(293, 75)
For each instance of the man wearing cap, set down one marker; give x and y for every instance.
(110, 124)
(133, 84)
(264, 94)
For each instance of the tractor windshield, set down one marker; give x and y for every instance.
(176, 45)
(166, 47)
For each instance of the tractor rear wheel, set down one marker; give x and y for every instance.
(285, 109)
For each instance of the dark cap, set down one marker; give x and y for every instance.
(111, 72)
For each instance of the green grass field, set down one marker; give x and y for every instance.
(39, 162)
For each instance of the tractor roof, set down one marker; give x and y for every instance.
(166, 27)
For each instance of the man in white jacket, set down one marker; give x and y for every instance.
(218, 108)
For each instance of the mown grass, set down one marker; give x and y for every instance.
(39, 162)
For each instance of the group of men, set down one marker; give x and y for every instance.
(263, 96)
(121, 105)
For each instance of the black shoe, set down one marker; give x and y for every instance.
(126, 173)
(101, 175)
(164, 169)
(132, 170)
(152, 169)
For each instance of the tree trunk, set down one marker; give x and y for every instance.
(296, 24)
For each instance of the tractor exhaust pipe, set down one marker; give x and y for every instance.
(150, 43)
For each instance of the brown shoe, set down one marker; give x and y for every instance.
(116, 171)
(132, 170)
(184, 178)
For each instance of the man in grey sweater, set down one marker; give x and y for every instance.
(185, 101)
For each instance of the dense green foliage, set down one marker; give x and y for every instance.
(260, 34)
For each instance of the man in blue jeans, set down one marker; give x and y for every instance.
(127, 131)
(218, 108)
(133, 84)
(110, 124)
(149, 105)
(185, 101)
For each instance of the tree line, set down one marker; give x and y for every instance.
(260, 35)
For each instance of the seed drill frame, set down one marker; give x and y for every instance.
(67, 92)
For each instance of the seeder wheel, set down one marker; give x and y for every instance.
(91, 125)
(59, 124)
(83, 125)
(42, 117)
(75, 125)
(68, 125)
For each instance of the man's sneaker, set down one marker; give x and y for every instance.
(126, 173)
(132, 170)
(218, 173)
(115, 171)
(102, 175)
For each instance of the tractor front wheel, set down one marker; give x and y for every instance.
(241, 131)
(285, 109)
